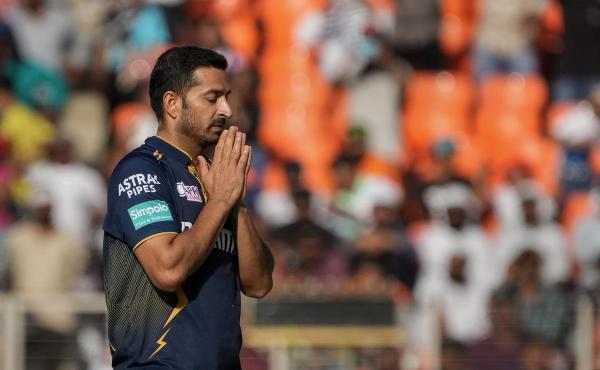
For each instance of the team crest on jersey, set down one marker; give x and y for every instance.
(189, 192)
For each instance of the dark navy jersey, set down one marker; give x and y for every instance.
(153, 191)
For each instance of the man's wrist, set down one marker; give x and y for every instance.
(240, 207)
(220, 205)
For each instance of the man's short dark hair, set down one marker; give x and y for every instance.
(174, 71)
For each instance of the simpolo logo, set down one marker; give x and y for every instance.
(147, 213)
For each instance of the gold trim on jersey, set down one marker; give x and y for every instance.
(182, 301)
(150, 237)
(176, 147)
(192, 169)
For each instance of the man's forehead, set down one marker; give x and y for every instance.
(209, 78)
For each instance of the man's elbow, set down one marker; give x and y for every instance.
(259, 291)
(167, 281)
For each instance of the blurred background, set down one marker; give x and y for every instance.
(426, 172)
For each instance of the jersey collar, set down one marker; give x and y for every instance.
(168, 150)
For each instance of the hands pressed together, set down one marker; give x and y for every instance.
(225, 179)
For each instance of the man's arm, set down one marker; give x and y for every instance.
(169, 259)
(255, 259)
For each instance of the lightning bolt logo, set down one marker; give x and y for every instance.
(161, 343)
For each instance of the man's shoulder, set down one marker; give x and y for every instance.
(141, 158)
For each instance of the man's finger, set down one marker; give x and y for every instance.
(243, 162)
(228, 144)
(249, 163)
(203, 167)
(236, 151)
(218, 155)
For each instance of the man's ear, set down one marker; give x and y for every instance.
(172, 104)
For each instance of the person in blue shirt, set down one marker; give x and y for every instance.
(179, 244)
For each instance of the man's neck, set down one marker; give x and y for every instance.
(192, 148)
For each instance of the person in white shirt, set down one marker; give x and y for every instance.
(457, 273)
(536, 231)
(48, 35)
(76, 192)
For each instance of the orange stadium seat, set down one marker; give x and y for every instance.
(540, 155)
(436, 105)
(499, 137)
(422, 128)
(466, 162)
(514, 92)
(224, 10)
(280, 17)
(382, 5)
(443, 90)
(273, 177)
(241, 34)
(374, 165)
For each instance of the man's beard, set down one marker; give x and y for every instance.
(188, 126)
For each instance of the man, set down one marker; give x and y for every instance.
(76, 192)
(179, 246)
(45, 263)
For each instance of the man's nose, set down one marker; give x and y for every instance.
(225, 109)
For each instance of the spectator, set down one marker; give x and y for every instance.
(536, 355)
(506, 198)
(416, 33)
(578, 64)
(537, 232)
(26, 130)
(43, 264)
(506, 34)
(453, 355)
(453, 230)
(303, 218)
(426, 177)
(277, 206)
(75, 192)
(578, 130)
(313, 264)
(207, 34)
(544, 310)
(47, 35)
(587, 249)
(8, 47)
(458, 298)
(358, 187)
(344, 34)
(387, 245)
(503, 343)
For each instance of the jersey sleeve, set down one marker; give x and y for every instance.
(140, 202)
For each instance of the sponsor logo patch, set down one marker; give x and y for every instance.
(150, 212)
(138, 184)
(189, 192)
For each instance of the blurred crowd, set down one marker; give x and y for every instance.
(441, 153)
